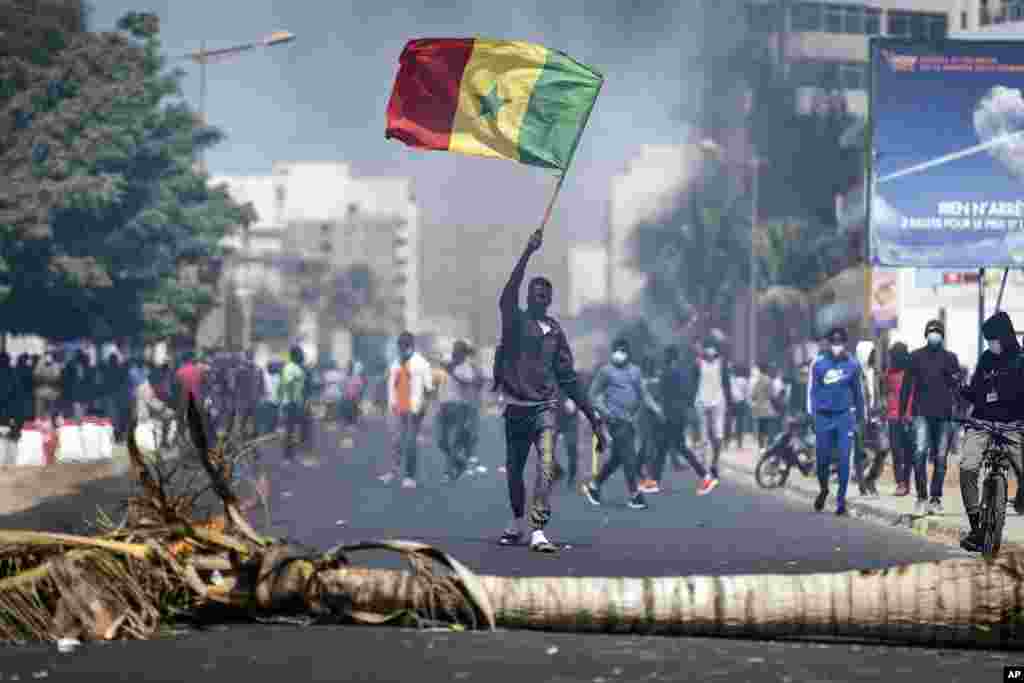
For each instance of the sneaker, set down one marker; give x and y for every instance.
(935, 507)
(819, 502)
(902, 490)
(511, 536)
(387, 477)
(592, 493)
(502, 469)
(647, 486)
(920, 507)
(654, 487)
(408, 483)
(637, 502)
(841, 509)
(540, 544)
(706, 486)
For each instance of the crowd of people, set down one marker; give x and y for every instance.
(643, 413)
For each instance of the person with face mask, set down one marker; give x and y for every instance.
(534, 370)
(409, 380)
(713, 401)
(836, 388)
(620, 395)
(931, 376)
(995, 394)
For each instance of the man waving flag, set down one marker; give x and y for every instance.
(504, 99)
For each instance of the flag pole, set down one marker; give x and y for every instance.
(551, 202)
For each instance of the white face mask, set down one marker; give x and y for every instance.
(838, 349)
(711, 353)
(934, 338)
(995, 346)
(619, 357)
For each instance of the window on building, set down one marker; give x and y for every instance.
(762, 17)
(807, 16)
(918, 26)
(984, 18)
(853, 19)
(834, 18)
(873, 21)
(1016, 8)
(807, 74)
(899, 24)
(853, 76)
(938, 27)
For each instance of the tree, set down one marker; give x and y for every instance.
(104, 215)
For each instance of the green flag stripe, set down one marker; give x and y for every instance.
(559, 106)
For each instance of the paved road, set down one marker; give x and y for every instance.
(275, 653)
(737, 529)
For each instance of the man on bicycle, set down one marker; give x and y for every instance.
(995, 395)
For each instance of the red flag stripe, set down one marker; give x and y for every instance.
(422, 105)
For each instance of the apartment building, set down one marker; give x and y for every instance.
(317, 219)
(824, 45)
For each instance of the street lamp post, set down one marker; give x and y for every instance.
(203, 57)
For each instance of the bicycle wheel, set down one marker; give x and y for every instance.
(993, 501)
(771, 471)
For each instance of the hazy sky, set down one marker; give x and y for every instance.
(323, 97)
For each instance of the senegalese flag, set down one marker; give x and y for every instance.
(493, 98)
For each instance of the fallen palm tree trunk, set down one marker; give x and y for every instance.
(951, 602)
(161, 563)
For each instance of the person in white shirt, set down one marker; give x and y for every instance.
(409, 379)
(456, 397)
(714, 399)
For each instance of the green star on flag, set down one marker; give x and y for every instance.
(491, 103)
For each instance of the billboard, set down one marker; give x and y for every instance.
(947, 171)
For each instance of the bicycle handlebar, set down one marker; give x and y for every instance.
(1000, 431)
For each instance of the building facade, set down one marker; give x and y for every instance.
(588, 276)
(827, 41)
(317, 222)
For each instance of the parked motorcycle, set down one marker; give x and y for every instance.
(794, 447)
(791, 447)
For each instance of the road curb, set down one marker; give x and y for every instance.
(929, 527)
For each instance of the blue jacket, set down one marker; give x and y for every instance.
(619, 392)
(836, 385)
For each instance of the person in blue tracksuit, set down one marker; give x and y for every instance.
(838, 406)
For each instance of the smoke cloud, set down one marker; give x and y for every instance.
(1001, 112)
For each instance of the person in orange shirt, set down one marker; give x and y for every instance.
(409, 379)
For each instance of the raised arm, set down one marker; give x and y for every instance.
(509, 302)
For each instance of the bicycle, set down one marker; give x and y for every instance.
(996, 458)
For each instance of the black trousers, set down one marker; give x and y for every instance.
(669, 435)
(525, 427)
(623, 454)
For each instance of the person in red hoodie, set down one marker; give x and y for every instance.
(900, 437)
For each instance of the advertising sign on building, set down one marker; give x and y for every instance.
(947, 129)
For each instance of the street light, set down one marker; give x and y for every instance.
(202, 57)
(711, 148)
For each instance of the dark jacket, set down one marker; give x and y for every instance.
(678, 388)
(932, 378)
(997, 389)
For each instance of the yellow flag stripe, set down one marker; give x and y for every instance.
(494, 96)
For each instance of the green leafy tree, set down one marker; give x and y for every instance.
(105, 220)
